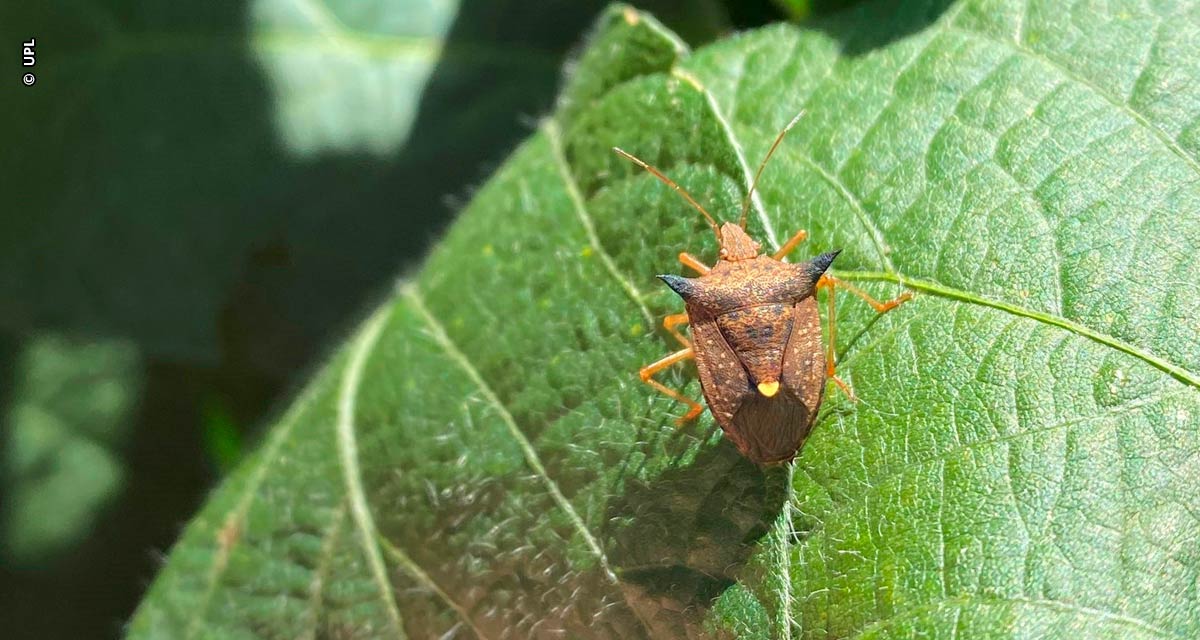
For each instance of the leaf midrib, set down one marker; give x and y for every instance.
(789, 499)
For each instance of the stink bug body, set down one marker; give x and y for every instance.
(756, 334)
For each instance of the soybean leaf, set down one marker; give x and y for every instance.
(480, 459)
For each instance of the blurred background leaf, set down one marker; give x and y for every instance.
(348, 77)
(65, 431)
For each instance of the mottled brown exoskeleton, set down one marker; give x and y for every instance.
(756, 334)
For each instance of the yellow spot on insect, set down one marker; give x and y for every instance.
(631, 16)
(768, 389)
(586, 252)
(489, 250)
(636, 330)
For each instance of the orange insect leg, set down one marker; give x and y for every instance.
(692, 262)
(649, 370)
(880, 307)
(787, 247)
(829, 282)
(674, 320)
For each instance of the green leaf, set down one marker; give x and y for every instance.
(1021, 462)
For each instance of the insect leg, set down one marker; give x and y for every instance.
(787, 247)
(692, 262)
(881, 307)
(674, 320)
(649, 370)
(830, 347)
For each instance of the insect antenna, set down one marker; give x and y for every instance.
(671, 183)
(746, 202)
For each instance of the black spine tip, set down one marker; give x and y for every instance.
(820, 264)
(683, 286)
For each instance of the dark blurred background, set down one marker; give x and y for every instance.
(198, 201)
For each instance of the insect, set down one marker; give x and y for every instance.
(756, 333)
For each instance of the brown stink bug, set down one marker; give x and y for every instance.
(756, 334)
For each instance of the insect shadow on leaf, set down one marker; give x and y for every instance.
(679, 541)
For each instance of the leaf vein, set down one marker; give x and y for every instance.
(1057, 606)
(887, 104)
(941, 529)
(786, 565)
(361, 349)
(427, 581)
(554, 135)
(317, 586)
(236, 518)
(531, 456)
(892, 471)
(860, 212)
(1059, 67)
(944, 291)
(739, 150)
